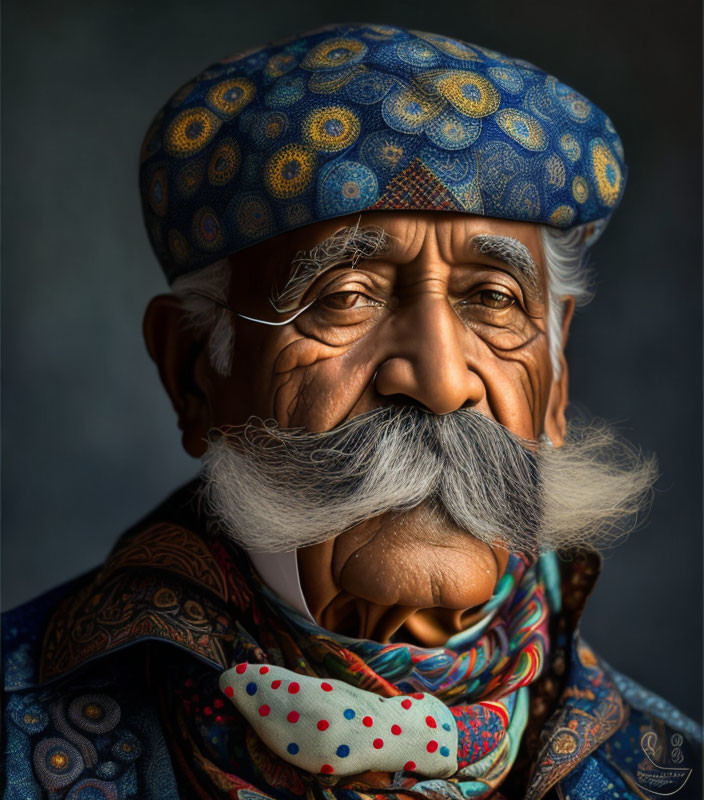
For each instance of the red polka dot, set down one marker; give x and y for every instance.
(396, 730)
(229, 691)
(432, 746)
(367, 722)
(293, 716)
(378, 744)
(207, 711)
(263, 670)
(417, 695)
(326, 687)
(327, 769)
(293, 688)
(406, 703)
(275, 684)
(218, 719)
(240, 668)
(264, 710)
(188, 683)
(218, 703)
(409, 766)
(323, 725)
(430, 722)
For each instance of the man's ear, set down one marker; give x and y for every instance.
(181, 359)
(555, 422)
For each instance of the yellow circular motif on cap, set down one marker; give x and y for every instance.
(231, 96)
(562, 216)
(189, 178)
(469, 92)
(570, 146)
(410, 109)
(190, 131)
(606, 172)
(253, 216)
(289, 171)
(224, 163)
(334, 53)
(580, 189)
(208, 234)
(280, 64)
(522, 128)
(331, 129)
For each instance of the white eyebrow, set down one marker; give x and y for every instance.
(346, 246)
(511, 252)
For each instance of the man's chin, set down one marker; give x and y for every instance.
(416, 559)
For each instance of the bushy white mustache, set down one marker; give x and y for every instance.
(277, 489)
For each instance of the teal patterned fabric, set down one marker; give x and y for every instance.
(359, 117)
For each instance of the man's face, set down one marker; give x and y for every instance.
(431, 321)
(450, 313)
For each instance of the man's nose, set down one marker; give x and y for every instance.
(429, 362)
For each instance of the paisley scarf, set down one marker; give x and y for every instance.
(479, 680)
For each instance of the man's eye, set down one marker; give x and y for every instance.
(343, 301)
(490, 298)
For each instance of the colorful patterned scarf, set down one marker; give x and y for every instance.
(477, 682)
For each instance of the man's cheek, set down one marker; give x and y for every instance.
(519, 384)
(318, 386)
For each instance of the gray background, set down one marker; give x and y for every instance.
(89, 439)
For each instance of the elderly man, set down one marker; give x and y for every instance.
(375, 240)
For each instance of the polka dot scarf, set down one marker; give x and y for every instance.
(303, 707)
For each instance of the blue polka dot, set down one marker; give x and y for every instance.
(446, 726)
(293, 748)
(251, 688)
(343, 751)
(348, 713)
(444, 751)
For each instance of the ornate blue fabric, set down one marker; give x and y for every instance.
(359, 117)
(95, 735)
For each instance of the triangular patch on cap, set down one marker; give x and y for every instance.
(416, 187)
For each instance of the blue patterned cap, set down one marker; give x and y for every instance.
(360, 117)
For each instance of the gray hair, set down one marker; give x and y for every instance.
(205, 315)
(565, 257)
(276, 489)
